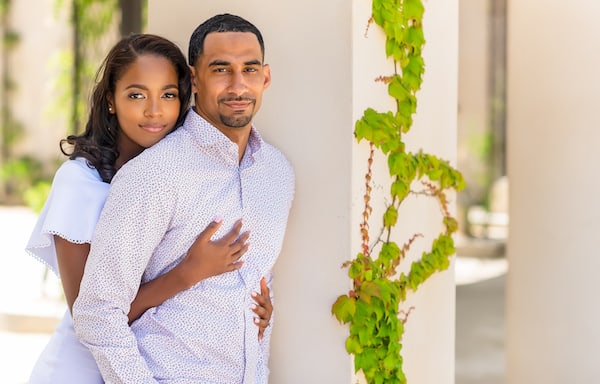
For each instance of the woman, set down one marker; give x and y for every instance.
(143, 93)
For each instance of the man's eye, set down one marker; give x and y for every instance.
(251, 69)
(221, 70)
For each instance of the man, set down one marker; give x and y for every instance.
(215, 165)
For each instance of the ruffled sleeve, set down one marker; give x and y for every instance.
(71, 210)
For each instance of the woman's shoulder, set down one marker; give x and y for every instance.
(77, 169)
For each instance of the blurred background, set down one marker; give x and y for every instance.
(49, 52)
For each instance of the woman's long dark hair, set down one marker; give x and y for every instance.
(98, 144)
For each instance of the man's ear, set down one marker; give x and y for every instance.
(267, 74)
(194, 87)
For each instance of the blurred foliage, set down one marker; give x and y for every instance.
(94, 28)
(19, 175)
(91, 21)
(36, 195)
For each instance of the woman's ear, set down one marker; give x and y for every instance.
(111, 106)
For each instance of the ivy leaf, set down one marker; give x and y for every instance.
(413, 9)
(399, 189)
(367, 290)
(353, 345)
(344, 308)
(390, 217)
(451, 224)
(397, 90)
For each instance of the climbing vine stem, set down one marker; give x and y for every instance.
(372, 308)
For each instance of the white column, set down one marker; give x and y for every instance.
(553, 314)
(323, 70)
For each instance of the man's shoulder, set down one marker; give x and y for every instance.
(277, 158)
(170, 147)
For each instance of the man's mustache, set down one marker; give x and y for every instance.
(237, 98)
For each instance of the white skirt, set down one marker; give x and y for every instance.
(65, 360)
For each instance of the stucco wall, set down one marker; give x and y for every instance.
(323, 70)
(34, 66)
(553, 92)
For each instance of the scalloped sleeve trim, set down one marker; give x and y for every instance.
(71, 211)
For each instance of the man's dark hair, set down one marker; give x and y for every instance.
(220, 23)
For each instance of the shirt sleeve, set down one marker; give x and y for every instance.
(71, 211)
(134, 220)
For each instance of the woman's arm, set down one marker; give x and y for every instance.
(71, 263)
(205, 258)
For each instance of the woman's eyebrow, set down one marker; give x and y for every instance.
(142, 86)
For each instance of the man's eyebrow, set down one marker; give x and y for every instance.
(216, 63)
(221, 63)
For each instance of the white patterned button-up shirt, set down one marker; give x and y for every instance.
(157, 205)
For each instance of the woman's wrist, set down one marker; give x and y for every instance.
(183, 275)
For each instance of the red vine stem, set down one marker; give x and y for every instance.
(364, 225)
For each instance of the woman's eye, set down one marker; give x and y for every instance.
(136, 96)
(170, 95)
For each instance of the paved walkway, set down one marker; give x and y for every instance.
(31, 304)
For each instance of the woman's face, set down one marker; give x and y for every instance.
(146, 103)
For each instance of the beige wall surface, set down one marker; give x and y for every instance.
(37, 66)
(34, 68)
(473, 96)
(323, 70)
(552, 286)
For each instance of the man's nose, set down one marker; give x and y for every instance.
(238, 83)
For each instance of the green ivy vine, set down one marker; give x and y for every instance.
(372, 308)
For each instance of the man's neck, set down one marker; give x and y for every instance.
(239, 136)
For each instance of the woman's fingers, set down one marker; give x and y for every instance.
(210, 229)
(231, 236)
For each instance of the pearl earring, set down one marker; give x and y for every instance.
(110, 109)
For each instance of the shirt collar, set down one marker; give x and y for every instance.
(206, 134)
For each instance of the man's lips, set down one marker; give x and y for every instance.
(241, 103)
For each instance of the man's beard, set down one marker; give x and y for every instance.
(236, 121)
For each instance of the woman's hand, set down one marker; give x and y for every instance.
(263, 308)
(207, 258)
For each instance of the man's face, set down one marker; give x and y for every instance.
(229, 79)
